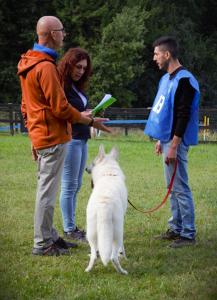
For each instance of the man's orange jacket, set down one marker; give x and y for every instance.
(45, 109)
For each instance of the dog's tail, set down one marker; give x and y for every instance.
(104, 231)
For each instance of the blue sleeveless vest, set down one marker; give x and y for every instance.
(160, 121)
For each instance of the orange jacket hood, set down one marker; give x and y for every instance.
(30, 59)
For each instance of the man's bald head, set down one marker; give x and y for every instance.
(47, 30)
(47, 23)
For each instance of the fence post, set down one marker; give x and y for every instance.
(10, 105)
(16, 120)
(126, 131)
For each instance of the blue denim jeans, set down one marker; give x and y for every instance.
(74, 165)
(181, 201)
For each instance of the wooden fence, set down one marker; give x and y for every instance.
(11, 118)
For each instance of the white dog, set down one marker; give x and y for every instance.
(106, 209)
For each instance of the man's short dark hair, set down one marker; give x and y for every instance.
(168, 43)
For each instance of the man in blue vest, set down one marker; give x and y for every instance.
(173, 121)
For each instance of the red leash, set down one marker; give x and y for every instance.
(164, 199)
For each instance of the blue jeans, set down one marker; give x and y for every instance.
(181, 201)
(71, 181)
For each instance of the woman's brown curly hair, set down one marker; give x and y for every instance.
(70, 59)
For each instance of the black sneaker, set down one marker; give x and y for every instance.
(61, 243)
(182, 242)
(77, 234)
(52, 250)
(168, 235)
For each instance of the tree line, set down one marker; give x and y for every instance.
(118, 34)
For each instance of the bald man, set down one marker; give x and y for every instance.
(48, 116)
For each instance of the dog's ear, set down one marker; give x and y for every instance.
(114, 153)
(101, 153)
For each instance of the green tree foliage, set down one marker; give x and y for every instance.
(84, 20)
(119, 36)
(188, 21)
(17, 21)
(118, 62)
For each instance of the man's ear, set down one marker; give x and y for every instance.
(53, 35)
(167, 54)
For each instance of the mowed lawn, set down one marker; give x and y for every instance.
(155, 271)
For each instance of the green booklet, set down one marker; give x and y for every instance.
(104, 103)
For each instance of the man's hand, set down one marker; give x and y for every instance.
(95, 122)
(99, 125)
(34, 153)
(171, 155)
(172, 152)
(158, 149)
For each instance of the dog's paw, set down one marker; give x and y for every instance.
(124, 272)
(87, 270)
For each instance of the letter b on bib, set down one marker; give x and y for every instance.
(158, 106)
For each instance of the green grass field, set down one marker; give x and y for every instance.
(155, 271)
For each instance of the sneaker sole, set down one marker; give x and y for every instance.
(174, 246)
(35, 253)
(77, 239)
(166, 239)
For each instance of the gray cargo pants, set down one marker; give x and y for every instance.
(50, 165)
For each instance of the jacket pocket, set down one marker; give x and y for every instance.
(45, 122)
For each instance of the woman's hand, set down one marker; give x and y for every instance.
(87, 113)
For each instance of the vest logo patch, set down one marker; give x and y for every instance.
(158, 106)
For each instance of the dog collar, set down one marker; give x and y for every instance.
(108, 174)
